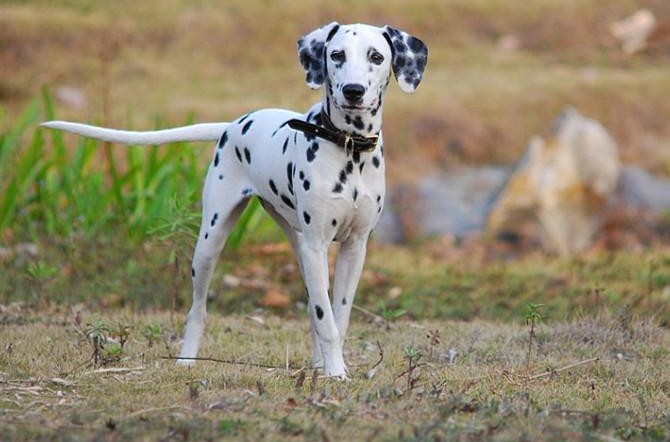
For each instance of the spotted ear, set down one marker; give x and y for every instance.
(410, 56)
(311, 49)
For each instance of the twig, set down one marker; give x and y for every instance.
(510, 376)
(227, 361)
(412, 368)
(117, 370)
(373, 370)
(151, 410)
(381, 356)
(567, 367)
(366, 312)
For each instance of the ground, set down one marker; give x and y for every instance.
(446, 344)
(595, 378)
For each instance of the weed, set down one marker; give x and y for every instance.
(65, 191)
(108, 342)
(97, 332)
(412, 356)
(533, 317)
(153, 333)
(389, 314)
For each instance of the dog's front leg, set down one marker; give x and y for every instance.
(314, 258)
(347, 274)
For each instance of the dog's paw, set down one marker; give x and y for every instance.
(342, 378)
(185, 362)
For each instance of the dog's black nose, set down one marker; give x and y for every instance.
(353, 92)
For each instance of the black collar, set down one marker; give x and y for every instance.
(329, 132)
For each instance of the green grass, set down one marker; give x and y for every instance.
(63, 186)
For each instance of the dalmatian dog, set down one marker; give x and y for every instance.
(320, 175)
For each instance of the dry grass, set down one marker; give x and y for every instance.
(49, 388)
(137, 63)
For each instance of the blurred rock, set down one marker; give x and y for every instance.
(641, 190)
(564, 183)
(454, 203)
(564, 194)
(71, 97)
(508, 43)
(275, 298)
(632, 32)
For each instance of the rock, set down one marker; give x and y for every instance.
(564, 193)
(455, 203)
(641, 190)
(564, 183)
(632, 32)
(275, 298)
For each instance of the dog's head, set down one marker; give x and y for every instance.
(355, 63)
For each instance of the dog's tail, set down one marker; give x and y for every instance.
(195, 132)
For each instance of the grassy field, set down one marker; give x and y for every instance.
(478, 103)
(597, 378)
(450, 340)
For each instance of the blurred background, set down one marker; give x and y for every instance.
(499, 74)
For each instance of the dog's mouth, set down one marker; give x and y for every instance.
(353, 107)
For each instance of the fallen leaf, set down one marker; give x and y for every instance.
(275, 298)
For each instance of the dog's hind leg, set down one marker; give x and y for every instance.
(221, 210)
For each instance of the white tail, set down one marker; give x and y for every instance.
(195, 132)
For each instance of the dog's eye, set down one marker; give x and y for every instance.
(376, 58)
(337, 56)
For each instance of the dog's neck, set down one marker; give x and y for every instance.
(367, 123)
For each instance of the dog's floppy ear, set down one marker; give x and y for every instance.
(311, 49)
(410, 56)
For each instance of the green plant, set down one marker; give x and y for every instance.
(533, 317)
(389, 314)
(97, 332)
(412, 356)
(153, 333)
(55, 186)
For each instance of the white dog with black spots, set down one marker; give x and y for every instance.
(320, 175)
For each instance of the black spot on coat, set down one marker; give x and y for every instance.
(306, 217)
(223, 140)
(319, 312)
(343, 176)
(287, 201)
(247, 126)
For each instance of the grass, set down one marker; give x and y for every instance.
(95, 239)
(604, 378)
(86, 187)
(241, 56)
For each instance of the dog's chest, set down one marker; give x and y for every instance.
(330, 190)
(313, 184)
